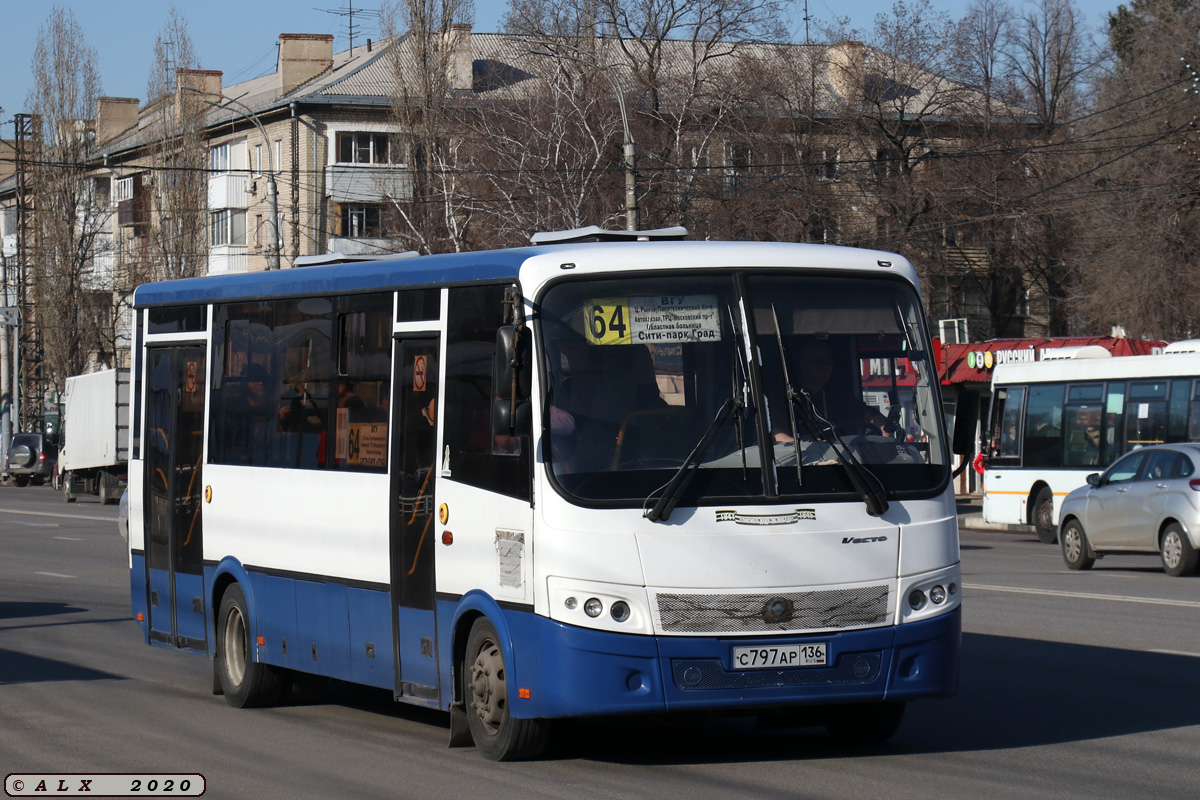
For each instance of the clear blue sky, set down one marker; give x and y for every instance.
(238, 36)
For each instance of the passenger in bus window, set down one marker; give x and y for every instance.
(814, 368)
(248, 418)
(1092, 443)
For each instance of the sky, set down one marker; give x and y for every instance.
(238, 37)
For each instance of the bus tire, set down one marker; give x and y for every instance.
(1077, 553)
(1043, 516)
(245, 682)
(498, 736)
(864, 723)
(1178, 556)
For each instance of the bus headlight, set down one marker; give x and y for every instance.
(604, 606)
(930, 594)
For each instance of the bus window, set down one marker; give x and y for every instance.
(1006, 425)
(1043, 426)
(1146, 422)
(1112, 437)
(1081, 425)
(1194, 422)
(364, 362)
(1177, 415)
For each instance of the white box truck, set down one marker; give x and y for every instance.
(94, 458)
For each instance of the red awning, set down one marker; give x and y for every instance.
(973, 363)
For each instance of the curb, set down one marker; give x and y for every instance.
(976, 522)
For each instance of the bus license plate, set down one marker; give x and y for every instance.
(781, 656)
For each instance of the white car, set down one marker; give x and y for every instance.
(1147, 502)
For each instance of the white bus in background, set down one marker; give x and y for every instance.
(1054, 422)
(554, 481)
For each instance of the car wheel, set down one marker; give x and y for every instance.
(498, 736)
(21, 480)
(1178, 555)
(864, 723)
(245, 682)
(1043, 516)
(1075, 549)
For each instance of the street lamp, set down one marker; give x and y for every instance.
(272, 191)
(631, 204)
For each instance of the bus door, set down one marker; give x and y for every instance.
(174, 436)
(415, 381)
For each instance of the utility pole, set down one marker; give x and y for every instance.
(8, 318)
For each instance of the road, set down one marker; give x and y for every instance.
(1074, 685)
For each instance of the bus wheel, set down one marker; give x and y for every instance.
(1178, 555)
(497, 734)
(864, 723)
(246, 683)
(1043, 516)
(1075, 549)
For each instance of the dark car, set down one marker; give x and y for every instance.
(31, 459)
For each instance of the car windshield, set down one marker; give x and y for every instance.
(650, 376)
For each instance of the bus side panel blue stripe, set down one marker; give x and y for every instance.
(369, 624)
(340, 621)
(137, 593)
(592, 672)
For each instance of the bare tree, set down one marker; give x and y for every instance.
(177, 157)
(430, 65)
(1049, 61)
(550, 157)
(73, 311)
(901, 109)
(1138, 264)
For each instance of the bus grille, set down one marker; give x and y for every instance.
(700, 674)
(858, 607)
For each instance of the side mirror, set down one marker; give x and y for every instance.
(966, 418)
(1093, 479)
(512, 371)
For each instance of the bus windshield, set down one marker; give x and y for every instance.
(646, 375)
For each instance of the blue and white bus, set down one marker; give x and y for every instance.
(571, 479)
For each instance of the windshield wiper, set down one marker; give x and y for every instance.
(864, 481)
(674, 489)
(869, 488)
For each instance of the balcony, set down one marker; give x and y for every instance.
(227, 258)
(367, 183)
(227, 190)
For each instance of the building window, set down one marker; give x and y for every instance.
(258, 159)
(124, 190)
(362, 148)
(359, 222)
(227, 227)
(218, 158)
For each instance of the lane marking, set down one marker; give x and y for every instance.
(68, 538)
(37, 524)
(60, 516)
(55, 575)
(1085, 595)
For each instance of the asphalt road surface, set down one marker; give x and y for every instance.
(1074, 685)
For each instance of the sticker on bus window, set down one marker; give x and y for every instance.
(367, 445)
(660, 319)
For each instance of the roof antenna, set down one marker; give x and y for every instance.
(349, 11)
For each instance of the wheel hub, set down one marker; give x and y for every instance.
(488, 691)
